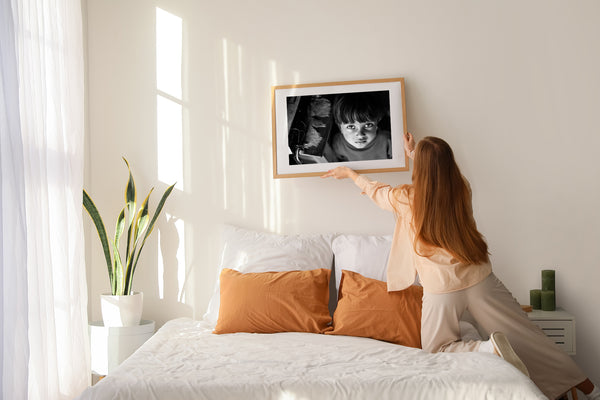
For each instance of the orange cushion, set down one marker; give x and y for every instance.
(366, 309)
(269, 302)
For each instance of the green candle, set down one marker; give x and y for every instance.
(548, 300)
(548, 279)
(535, 299)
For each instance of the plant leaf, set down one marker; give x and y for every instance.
(118, 288)
(141, 219)
(119, 229)
(131, 204)
(90, 207)
(159, 208)
(120, 226)
(140, 223)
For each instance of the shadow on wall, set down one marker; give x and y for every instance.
(172, 273)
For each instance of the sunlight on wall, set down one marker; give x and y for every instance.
(225, 139)
(225, 126)
(169, 138)
(240, 71)
(247, 175)
(169, 104)
(272, 210)
(169, 38)
(271, 194)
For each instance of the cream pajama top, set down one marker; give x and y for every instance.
(440, 272)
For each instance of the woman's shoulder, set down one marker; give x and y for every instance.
(405, 189)
(402, 194)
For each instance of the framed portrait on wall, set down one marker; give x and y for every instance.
(358, 124)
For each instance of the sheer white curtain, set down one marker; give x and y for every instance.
(42, 234)
(14, 351)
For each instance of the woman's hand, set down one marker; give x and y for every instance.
(341, 173)
(409, 145)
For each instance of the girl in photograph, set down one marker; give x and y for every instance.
(359, 136)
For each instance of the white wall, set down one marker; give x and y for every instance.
(513, 86)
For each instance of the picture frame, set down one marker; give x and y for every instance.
(359, 124)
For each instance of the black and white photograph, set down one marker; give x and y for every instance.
(317, 127)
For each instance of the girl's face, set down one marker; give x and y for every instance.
(359, 134)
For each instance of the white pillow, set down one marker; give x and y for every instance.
(253, 251)
(364, 254)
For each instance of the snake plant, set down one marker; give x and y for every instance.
(138, 225)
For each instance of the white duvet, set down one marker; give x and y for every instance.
(184, 360)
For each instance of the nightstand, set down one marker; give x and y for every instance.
(110, 346)
(558, 325)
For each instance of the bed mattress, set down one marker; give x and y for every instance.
(185, 360)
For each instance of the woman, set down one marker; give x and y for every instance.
(436, 236)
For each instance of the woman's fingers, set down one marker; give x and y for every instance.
(327, 174)
(337, 173)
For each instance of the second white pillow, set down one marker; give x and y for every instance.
(364, 254)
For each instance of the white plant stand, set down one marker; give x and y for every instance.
(110, 346)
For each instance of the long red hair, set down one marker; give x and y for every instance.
(442, 208)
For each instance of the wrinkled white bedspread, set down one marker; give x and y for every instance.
(184, 360)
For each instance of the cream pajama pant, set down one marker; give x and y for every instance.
(495, 309)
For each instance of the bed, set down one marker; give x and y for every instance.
(275, 338)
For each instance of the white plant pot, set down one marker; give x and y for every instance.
(122, 310)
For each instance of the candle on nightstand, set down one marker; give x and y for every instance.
(548, 300)
(535, 299)
(548, 279)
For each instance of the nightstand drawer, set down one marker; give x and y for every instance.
(558, 325)
(559, 331)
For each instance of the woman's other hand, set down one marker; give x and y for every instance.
(409, 145)
(341, 173)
